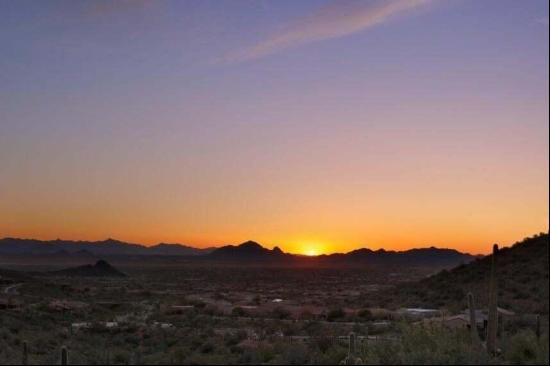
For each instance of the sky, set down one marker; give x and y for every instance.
(316, 126)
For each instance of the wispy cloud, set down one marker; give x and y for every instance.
(336, 19)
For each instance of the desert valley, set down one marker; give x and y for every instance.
(115, 303)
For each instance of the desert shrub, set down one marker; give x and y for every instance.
(289, 329)
(238, 312)
(323, 343)
(365, 315)
(211, 310)
(523, 348)
(121, 357)
(234, 339)
(360, 328)
(236, 350)
(257, 300)
(281, 313)
(199, 304)
(335, 314)
(207, 347)
(307, 315)
(294, 354)
(383, 353)
(313, 328)
(419, 345)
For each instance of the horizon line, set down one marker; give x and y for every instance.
(254, 241)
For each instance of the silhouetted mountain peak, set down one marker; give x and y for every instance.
(361, 251)
(247, 250)
(100, 269)
(101, 264)
(111, 241)
(250, 245)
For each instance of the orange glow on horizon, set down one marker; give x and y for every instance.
(310, 141)
(310, 248)
(476, 244)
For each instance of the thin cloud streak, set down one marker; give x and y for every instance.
(336, 19)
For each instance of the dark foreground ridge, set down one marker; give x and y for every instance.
(522, 281)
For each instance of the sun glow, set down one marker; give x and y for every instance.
(311, 248)
(312, 252)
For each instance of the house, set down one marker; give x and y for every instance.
(78, 326)
(419, 312)
(111, 325)
(163, 325)
(482, 316)
(463, 320)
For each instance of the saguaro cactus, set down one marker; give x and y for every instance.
(64, 356)
(473, 322)
(25, 358)
(492, 321)
(537, 330)
(351, 349)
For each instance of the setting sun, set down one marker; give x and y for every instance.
(312, 252)
(310, 248)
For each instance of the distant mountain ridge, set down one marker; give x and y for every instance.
(98, 248)
(432, 256)
(417, 256)
(249, 251)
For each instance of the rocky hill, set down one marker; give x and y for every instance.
(100, 269)
(522, 272)
(249, 250)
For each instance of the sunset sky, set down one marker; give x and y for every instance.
(317, 126)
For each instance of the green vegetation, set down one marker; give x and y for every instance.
(195, 342)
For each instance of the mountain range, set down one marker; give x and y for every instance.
(249, 251)
(106, 247)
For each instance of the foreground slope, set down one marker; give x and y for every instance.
(522, 272)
